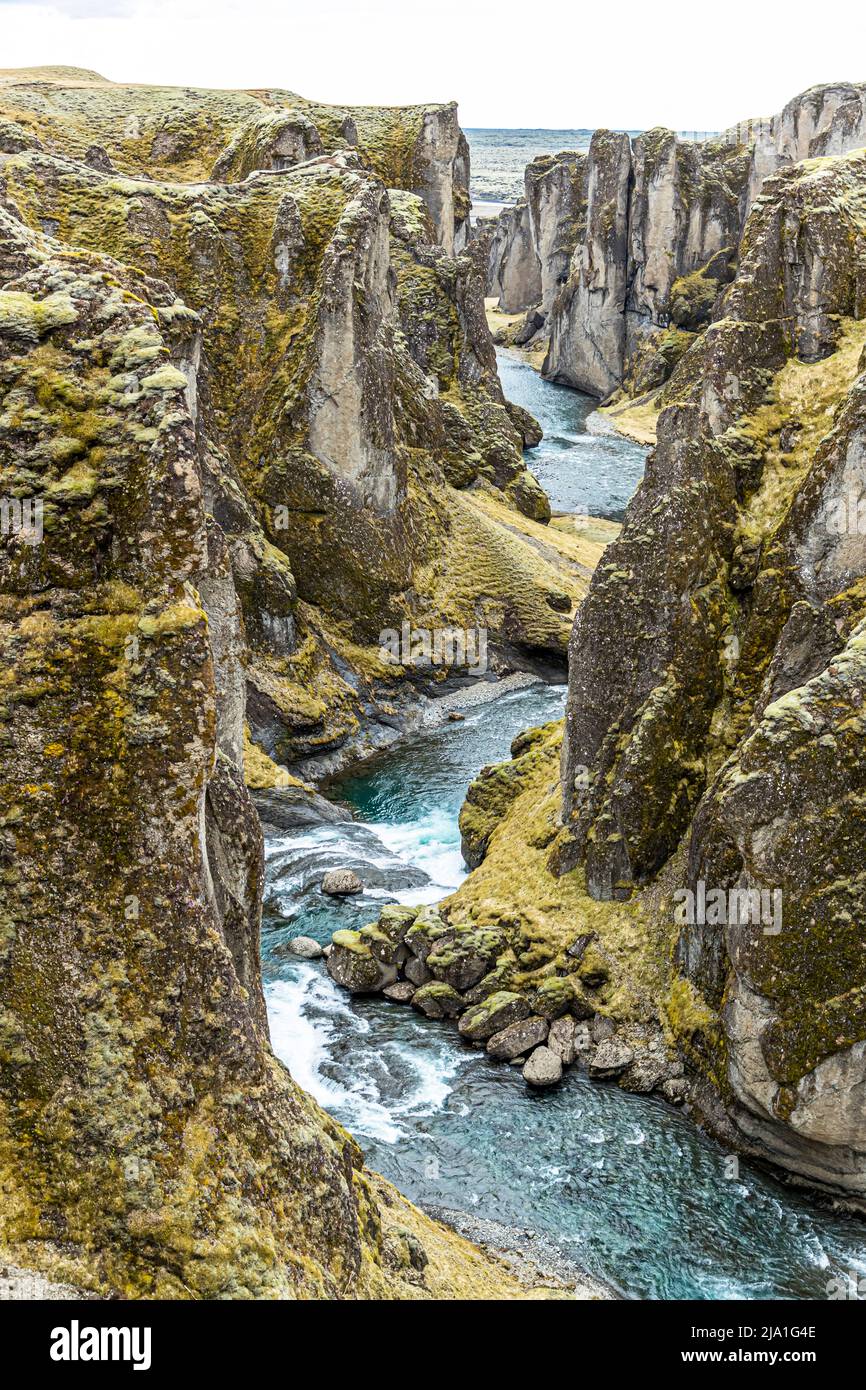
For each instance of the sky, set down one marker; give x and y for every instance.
(508, 63)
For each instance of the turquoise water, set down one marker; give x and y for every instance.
(626, 1186)
(581, 463)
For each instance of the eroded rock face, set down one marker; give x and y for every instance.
(556, 197)
(151, 1143)
(612, 249)
(517, 275)
(531, 244)
(587, 337)
(129, 979)
(717, 681)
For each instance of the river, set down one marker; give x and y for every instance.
(624, 1185)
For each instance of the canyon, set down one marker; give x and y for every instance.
(618, 255)
(246, 368)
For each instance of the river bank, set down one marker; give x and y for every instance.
(623, 1185)
(634, 419)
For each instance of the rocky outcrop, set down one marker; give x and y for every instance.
(191, 135)
(825, 120)
(362, 466)
(533, 242)
(177, 363)
(556, 192)
(652, 228)
(515, 272)
(685, 205)
(587, 330)
(716, 691)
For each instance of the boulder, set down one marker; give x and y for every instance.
(610, 1058)
(352, 965)
(464, 960)
(645, 1074)
(601, 1028)
(437, 1000)
(287, 808)
(304, 946)
(416, 971)
(341, 883)
(400, 993)
(383, 944)
(497, 979)
(517, 1038)
(396, 920)
(492, 1015)
(428, 929)
(554, 996)
(561, 1039)
(544, 1068)
(582, 1006)
(579, 945)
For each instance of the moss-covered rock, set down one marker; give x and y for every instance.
(438, 1000)
(462, 961)
(428, 929)
(554, 997)
(150, 1143)
(353, 964)
(493, 1014)
(731, 724)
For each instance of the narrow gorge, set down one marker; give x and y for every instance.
(293, 555)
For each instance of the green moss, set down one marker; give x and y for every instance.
(23, 316)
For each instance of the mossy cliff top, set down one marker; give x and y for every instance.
(188, 134)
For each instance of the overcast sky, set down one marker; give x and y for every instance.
(507, 62)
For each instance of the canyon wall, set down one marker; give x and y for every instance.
(716, 694)
(678, 870)
(655, 230)
(347, 387)
(242, 424)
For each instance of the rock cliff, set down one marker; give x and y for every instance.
(679, 909)
(655, 225)
(712, 829)
(365, 435)
(231, 444)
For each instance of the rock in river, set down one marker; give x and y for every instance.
(517, 1038)
(352, 965)
(341, 882)
(544, 1068)
(304, 946)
